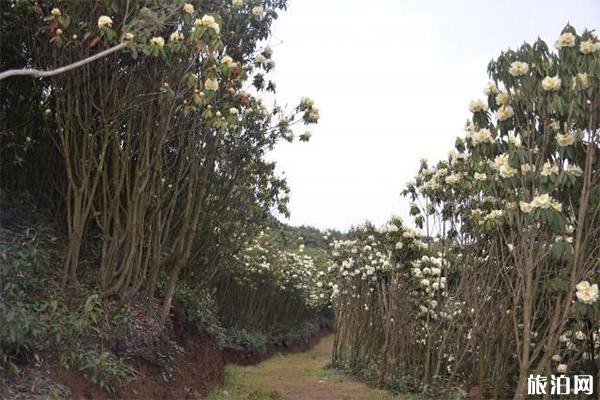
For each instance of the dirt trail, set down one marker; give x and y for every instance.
(296, 376)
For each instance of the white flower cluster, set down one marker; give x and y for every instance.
(477, 106)
(565, 140)
(502, 165)
(505, 112)
(188, 8)
(211, 84)
(543, 201)
(481, 136)
(586, 292)
(158, 41)
(176, 37)
(518, 68)
(105, 22)
(292, 272)
(208, 21)
(551, 83)
(565, 40)
(589, 47)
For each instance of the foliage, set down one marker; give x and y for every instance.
(33, 320)
(201, 309)
(245, 341)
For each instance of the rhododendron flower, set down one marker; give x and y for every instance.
(158, 41)
(549, 169)
(490, 89)
(501, 164)
(188, 8)
(306, 102)
(453, 179)
(551, 83)
(481, 136)
(587, 293)
(211, 84)
(176, 37)
(566, 139)
(502, 98)
(237, 2)
(227, 60)
(581, 81)
(545, 201)
(55, 12)
(573, 170)
(129, 36)
(565, 40)
(589, 47)
(258, 11)
(104, 22)
(313, 116)
(526, 168)
(505, 112)
(305, 137)
(477, 106)
(518, 68)
(494, 214)
(209, 22)
(480, 177)
(515, 140)
(526, 207)
(561, 368)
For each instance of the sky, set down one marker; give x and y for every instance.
(392, 80)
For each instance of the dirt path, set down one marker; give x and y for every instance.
(296, 376)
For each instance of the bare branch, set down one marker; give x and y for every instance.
(43, 74)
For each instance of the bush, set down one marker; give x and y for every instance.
(246, 341)
(201, 310)
(33, 318)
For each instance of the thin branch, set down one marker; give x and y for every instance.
(42, 74)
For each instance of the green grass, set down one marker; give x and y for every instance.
(297, 376)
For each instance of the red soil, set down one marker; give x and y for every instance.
(199, 369)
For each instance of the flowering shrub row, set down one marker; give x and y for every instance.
(157, 150)
(273, 286)
(502, 281)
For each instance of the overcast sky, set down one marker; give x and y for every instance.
(392, 79)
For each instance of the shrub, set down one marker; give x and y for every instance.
(246, 341)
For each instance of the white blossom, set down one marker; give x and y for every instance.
(587, 293)
(105, 22)
(551, 83)
(518, 68)
(565, 40)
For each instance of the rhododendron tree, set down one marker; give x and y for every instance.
(512, 220)
(143, 137)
